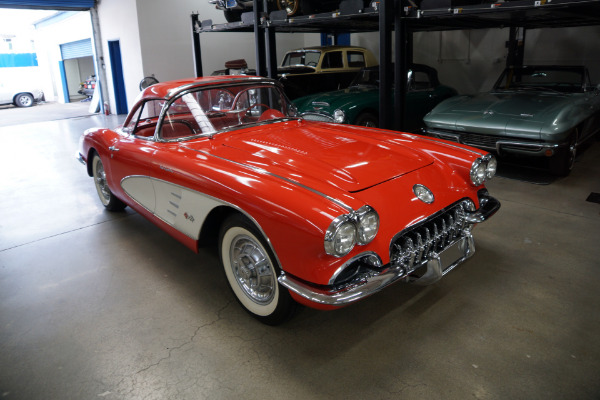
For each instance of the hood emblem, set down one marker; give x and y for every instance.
(423, 194)
(488, 112)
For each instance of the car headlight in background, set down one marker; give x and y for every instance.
(483, 169)
(339, 116)
(346, 231)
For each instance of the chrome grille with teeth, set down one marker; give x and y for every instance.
(317, 117)
(415, 246)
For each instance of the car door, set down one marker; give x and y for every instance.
(5, 94)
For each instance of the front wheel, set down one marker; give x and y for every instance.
(562, 163)
(367, 119)
(23, 100)
(251, 271)
(108, 199)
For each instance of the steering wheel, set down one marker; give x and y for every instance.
(312, 64)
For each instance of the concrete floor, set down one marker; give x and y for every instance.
(98, 305)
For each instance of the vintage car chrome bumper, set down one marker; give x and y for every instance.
(499, 145)
(424, 262)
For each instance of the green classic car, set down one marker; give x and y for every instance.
(543, 111)
(359, 103)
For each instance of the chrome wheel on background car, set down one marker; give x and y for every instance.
(107, 198)
(251, 271)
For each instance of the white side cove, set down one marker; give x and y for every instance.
(182, 208)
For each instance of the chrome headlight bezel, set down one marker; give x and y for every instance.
(342, 225)
(339, 116)
(483, 169)
(358, 227)
(367, 225)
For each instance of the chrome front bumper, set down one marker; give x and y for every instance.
(435, 265)
(501, 146)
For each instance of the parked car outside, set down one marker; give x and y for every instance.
(359, 103)
(532, 111)
(299, 211)
(20, 96)
(233, 9)
(322, 68)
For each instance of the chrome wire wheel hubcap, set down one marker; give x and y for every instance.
(100, 179)
(252, 269)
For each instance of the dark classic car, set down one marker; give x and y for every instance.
(322, 68)
(233, 9)
(359, 103)
(540, 111)
(299, 211)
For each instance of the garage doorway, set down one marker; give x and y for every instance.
(77, 65)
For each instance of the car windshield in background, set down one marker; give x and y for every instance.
(306, 58)
(367, 77)
(206, 111)
(551, 79)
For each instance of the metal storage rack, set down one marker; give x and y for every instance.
(401, 20)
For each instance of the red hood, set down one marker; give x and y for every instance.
(346, 157)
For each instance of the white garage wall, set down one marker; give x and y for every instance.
(119, 21)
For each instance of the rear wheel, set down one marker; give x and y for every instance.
(23, 100)
(108, 199)
(252, 270)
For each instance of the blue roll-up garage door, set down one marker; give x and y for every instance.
(78, 49)
(73, 5)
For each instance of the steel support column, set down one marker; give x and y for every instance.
(516, 47)
(196, 45)
(259, 39)
(386, 13)
(402, 59)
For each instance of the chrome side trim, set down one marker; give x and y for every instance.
(265, 172)
(210, 198)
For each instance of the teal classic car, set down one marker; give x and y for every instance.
(359, 103)
(543, 111)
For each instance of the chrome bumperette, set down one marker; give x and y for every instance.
(421, 254)
(80, 158)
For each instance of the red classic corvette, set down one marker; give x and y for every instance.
(300, 212)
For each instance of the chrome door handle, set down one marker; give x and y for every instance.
(113, 148)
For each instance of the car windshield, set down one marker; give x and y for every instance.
(542, 78)
(367, 77)
(301, 58)
(210, 110)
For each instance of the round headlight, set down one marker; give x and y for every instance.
(340, 237)
(492, 166)
(367, 225)
(339, 116)
(478, 172)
